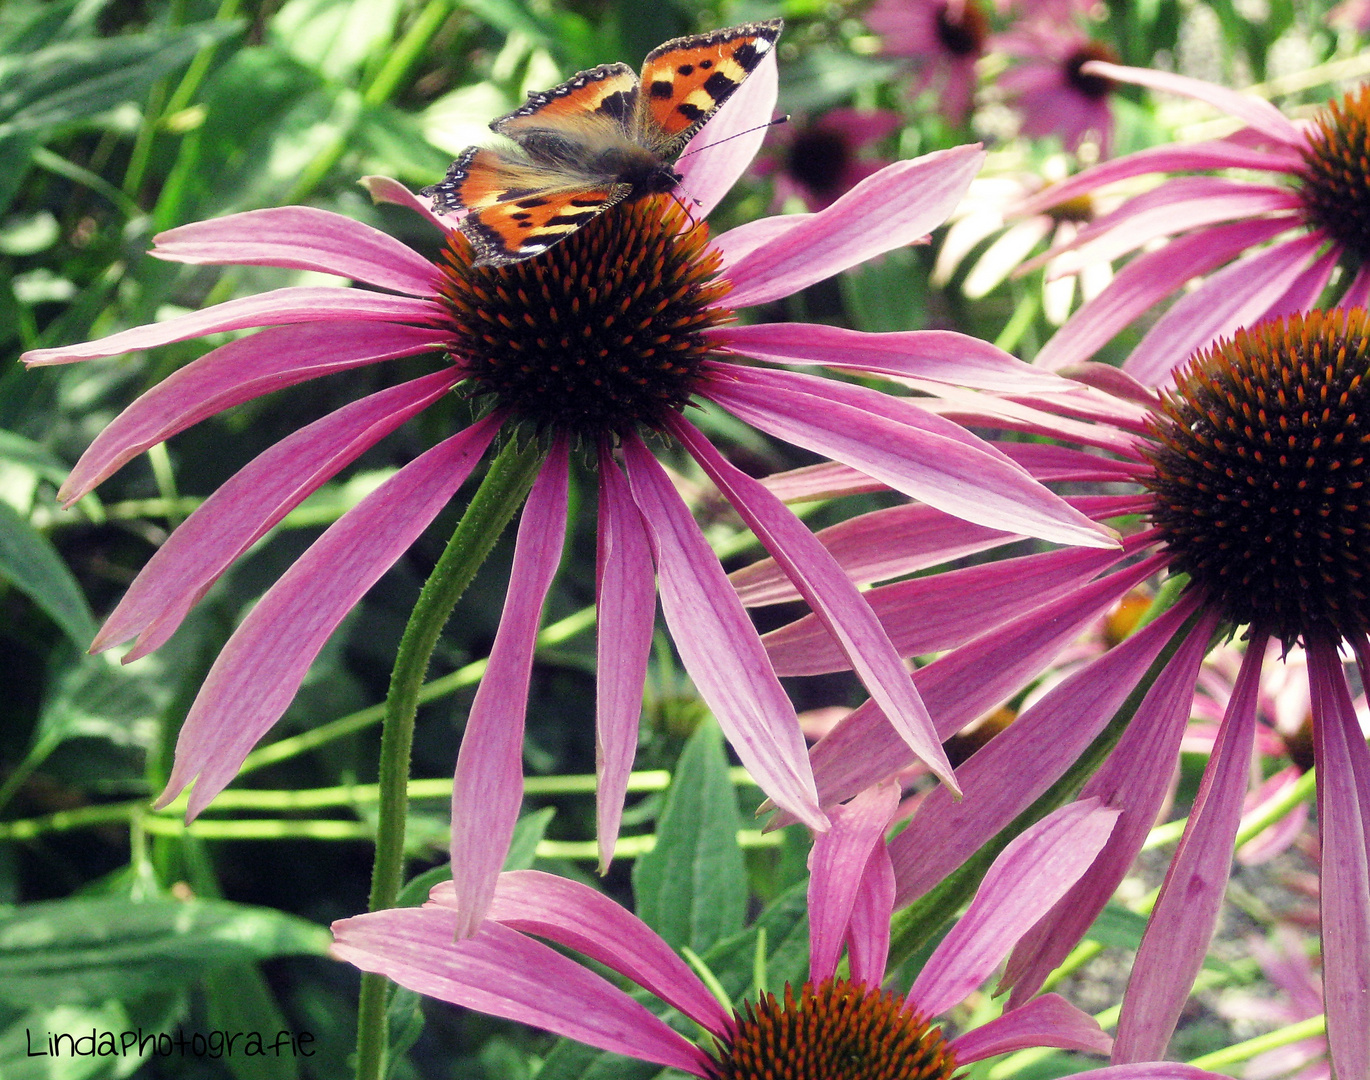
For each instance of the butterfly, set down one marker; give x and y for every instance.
(596, 140)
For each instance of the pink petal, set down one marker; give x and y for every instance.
(900, 204)
(719, 646)
(261, 667)
(576, 916)
(1233, 297)
(488, 786)
(1136, 779)
(1358, 292)
(736, 244)
(868, 931)
(234, 373)
(722, 149)
(1219, 154)
(939, 355)
(1343, 765)
(837, 865)
(1145, 282)
(965, 684)
(1048, 1021)
(912, 451)
(1257, 112)
(1006, 776)
(625, 592)
(300, 304)
(302, 238)
(382, 189)
(1176, 938)
(872, 547)
(1029, 876)
(244, 508)
(826, 480)
(1304, 293)
(1151, 1070)
(838, 604)
(1047, 462)
(942, 611)
(503, 973)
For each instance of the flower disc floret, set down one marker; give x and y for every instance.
(962, 28)
(1336, 179)
(819, 158)
(1261, 475)
(600, 335)
(838, 1030)
(1095, 87)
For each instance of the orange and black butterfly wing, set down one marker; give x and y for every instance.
(686, 80)
(517, 208)
(594, 106)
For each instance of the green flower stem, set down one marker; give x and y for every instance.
(502, 492)
(1271, 1040)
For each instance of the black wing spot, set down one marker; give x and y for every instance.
(747, 55)
(662, 88)
(529, 204)
(687, 69)
(705, 65)
(690, 112)
(718, 86)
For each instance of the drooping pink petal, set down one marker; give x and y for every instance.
(383, 189)
(1218, 154)
(503, 973)
(1052, 417)
(1145, 282)
(939, 355)
(1343, 765)
(719, 646)
(298, 304)
(1177, 936)
(1003, 779)
(868, 932)
(882, 544)
(942, 611)
(736, 244)
(722, 149)
(1048, 462)
(901, 203)
(837, 603)
(826, 480)
(1303, 294)
(302, 238)
(837, 865)
(1023, 883)
(1151, 1070)
(1136, 780)
(261, 667)
(580, 918)
(1050, 1020)
(625, 594)
(234, 373)
(488, 786)
(1233, 297)
(1254, 111)
(928, 458)
(965, 684)
(1358, 292)
(243, 509)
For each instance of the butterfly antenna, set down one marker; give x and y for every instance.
(684, 206)
(771, 123)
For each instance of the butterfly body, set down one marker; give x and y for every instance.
(600, 138)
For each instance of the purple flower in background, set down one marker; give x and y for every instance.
(1251, 478)
(817, 161)
(943, 38)
(599, 342)
(1261, 248)
(829, 1026)
(1050, 89)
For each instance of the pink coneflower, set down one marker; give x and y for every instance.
(1251, 478)
(598, 344)
(1051, 91)
(1262, 248)
(943, 38)
(817, 161)
(830, 1028)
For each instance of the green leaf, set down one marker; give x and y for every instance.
(76, 80)
(692, 888)
(239, 999)
(24, 1044)
(528, 833)
(1118, 927)
(80, 951)
(30, 562)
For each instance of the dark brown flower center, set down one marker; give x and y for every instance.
(818, 159)
(1336, 179)
(1096, 87)
(962, 28)
(1261, 474)
(835, 1031)
(602, 333)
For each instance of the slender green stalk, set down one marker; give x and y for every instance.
(1271, 1040)
(499, 496)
